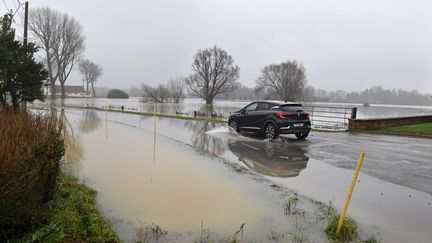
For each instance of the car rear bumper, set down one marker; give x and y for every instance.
(295, 127)
(283, 130)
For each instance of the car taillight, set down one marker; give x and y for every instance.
(306, 115)
(283, 114)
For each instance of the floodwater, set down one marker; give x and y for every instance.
(199, 180)
(224, 107)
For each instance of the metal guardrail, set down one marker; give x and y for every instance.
(330, 117)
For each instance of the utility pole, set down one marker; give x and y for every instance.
(25, 23)
(24, 103)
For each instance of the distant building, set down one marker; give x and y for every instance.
(70, 91)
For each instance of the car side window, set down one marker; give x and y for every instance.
(264, 107)
(251, 107)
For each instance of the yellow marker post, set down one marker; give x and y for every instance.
(351, 189)
(106, 118)
(154, 131)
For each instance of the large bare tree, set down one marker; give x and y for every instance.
(214, 73)
(61, 37)
(286, 80)
(90, 72)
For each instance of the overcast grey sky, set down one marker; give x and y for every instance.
(348, 45)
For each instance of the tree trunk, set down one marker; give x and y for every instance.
(63, 95)
(93, 90)
(53, 91)
(14, 99)
(209, 101)
(87, 86)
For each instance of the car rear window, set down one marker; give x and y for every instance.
(292, 108)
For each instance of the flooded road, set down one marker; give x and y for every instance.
(198, 179)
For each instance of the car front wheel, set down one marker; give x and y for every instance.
(233, 124)
(270, 131)
(302, 135)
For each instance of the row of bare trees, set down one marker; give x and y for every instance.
(215, 74)
(90, 72)
(61, 38)
(173, 92)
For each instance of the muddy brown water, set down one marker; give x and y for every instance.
(190, 179)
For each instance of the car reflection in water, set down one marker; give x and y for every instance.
(270, 158)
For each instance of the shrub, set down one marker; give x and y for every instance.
(31, 149)
(348, 230)
(117, 94)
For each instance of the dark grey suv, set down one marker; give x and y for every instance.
(271, 118)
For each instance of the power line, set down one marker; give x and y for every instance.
(7, 8)
(14, 13)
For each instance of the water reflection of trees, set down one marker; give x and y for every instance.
(74, 153)
(89, 122)
(164, 108)
(203, 143)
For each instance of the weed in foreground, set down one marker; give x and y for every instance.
(348, 231)
(371, 239)
(299, 235)
(150, 233)
(237, 233)
(276, 236)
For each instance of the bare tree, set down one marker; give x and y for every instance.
(62, 40)
(286, 80)
(159, 94)
(90, 72)
(173, 92)
(176, 88)
(214, 73)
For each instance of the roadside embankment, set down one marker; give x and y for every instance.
(417, 130)
(382, 123)
(73, 216)
(37, 201)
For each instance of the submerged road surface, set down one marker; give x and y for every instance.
(180, 172)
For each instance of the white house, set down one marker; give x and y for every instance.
(70, 91)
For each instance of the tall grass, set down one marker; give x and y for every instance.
(31, 149)
(348, 230)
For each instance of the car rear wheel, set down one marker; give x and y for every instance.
(302, 135)
(233, 124)
(270, 131)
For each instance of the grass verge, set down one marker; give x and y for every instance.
(424, 128)
(74, 216)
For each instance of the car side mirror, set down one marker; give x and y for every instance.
(242, 111)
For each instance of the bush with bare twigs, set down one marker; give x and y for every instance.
(31, 149)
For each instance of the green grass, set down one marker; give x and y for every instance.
(74, 216)
(348, 231)
(424, 128)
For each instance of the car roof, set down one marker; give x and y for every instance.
(280, 103)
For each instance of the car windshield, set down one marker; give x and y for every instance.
(292, 108)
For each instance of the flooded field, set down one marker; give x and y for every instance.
(224, 107)
(192, 181)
